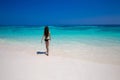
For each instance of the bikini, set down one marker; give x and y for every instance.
(47, 39)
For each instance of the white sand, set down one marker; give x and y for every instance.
(22, 63)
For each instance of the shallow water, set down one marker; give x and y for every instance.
(90, 35)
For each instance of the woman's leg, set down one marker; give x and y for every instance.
(47, 47)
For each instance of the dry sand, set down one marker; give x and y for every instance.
(22, 63)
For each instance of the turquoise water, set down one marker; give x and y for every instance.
(89, 35)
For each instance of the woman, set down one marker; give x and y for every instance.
(46, 37)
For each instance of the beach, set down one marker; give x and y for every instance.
(73, 56)
(22, 62)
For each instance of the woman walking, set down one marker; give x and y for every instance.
(46, 37)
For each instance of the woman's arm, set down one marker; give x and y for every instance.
(42, 38)
(50, 36)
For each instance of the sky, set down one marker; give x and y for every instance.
(55, 12)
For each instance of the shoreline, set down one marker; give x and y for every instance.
(103, 55)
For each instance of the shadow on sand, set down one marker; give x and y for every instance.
(40, 52)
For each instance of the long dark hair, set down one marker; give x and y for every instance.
(46, 31)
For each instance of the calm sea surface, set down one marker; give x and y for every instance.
(91, 35)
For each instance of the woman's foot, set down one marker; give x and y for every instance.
(47, 54)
